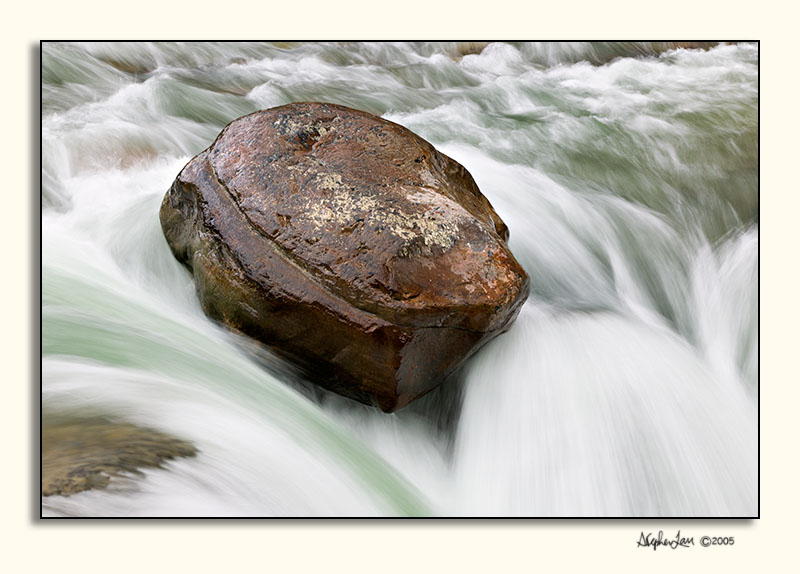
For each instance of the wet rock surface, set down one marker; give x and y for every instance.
(347, 244)
(82, 454)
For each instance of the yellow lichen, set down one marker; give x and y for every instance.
(433, 222)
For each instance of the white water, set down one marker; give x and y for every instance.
(627, 386)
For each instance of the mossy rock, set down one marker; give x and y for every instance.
(82, 454)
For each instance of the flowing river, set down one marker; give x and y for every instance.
(627, 174)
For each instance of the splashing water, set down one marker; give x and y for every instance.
(628, 176)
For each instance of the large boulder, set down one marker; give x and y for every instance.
(348, 245)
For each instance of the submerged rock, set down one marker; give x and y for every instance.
(82, 454)
(347, 244)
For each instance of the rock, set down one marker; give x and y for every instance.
(462, 49)
(347, 244)
(80, 454)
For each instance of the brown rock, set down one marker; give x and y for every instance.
(462, 49)
(81, 454)
(347, 244)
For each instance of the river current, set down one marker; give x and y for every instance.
(627, 174)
